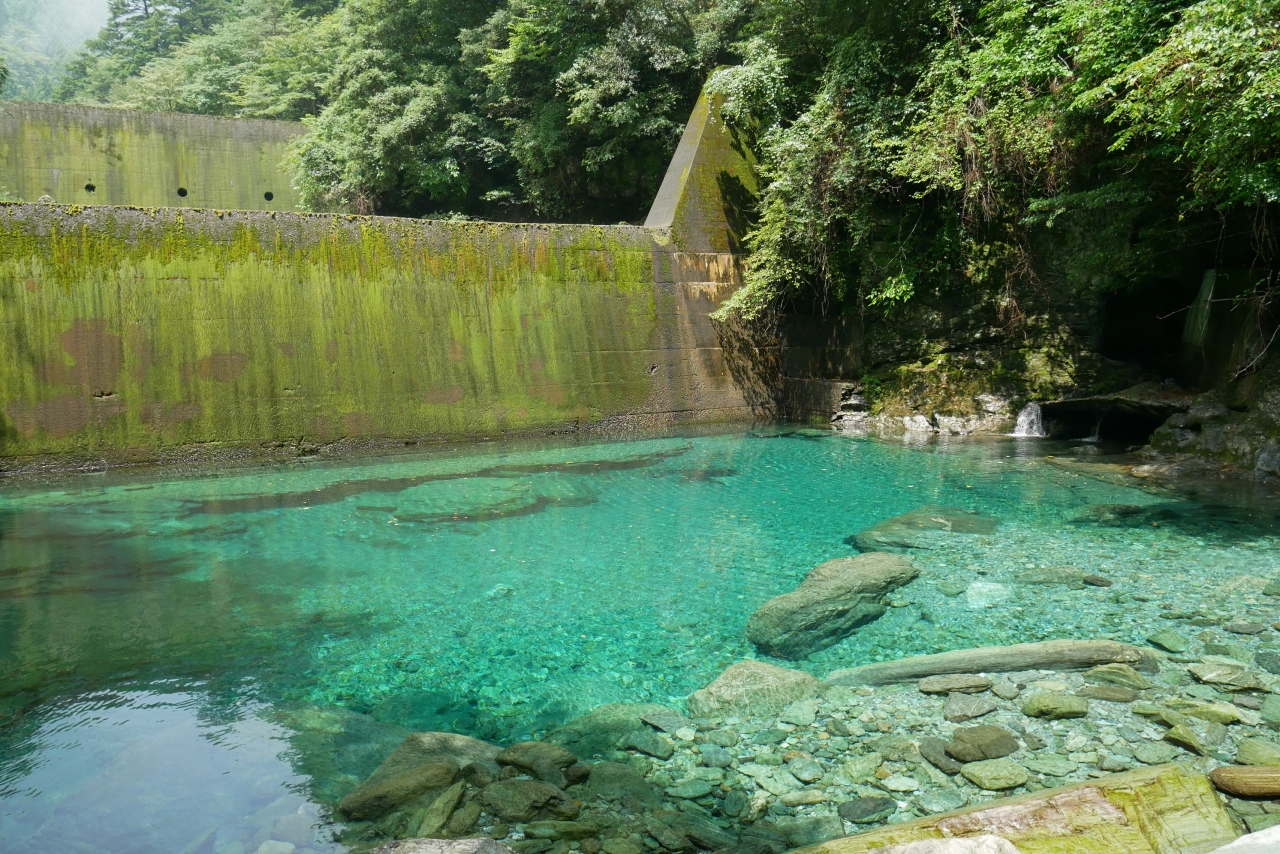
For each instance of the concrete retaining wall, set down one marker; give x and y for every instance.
(144, 159)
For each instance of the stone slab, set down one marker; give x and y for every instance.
(1166, 809)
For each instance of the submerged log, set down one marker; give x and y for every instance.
(1046, 655)
(1248, 781)
(1164, 809)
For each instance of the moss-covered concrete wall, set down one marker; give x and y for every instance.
(145, 159)
(129, 331)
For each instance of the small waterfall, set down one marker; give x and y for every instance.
(1030, 424)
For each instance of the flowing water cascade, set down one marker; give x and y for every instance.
(1030, 422)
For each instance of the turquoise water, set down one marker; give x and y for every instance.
(197, 662)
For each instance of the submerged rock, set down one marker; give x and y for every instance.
(599, 731)
(753, 688)
(976, 743)
(829, 605)
(867, 810)
(540, 759)
(911, 530)
(1054, 706)
(526, 800)
(962, 683)
(995, 774)
(423, 761)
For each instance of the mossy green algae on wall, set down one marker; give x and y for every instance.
(140, 329)
(90, 155)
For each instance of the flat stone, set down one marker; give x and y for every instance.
(862, 767)
(915, 529)
(437, 815)
(667, 720)
(1238, 628)
(1058, 576)
(934, 750)
(620, 846)
(1186, 739)
(1097, 581)
(804, 797)
(802, 713)
(598, 732)
(1054, 707)
(1270, 711)
(1117, 674)
(1268, 660)
(1006, 690)
(650, 743)
(690, 789)
(995, 774)
(1154, 753)
(867, 810)
(1108, 693)
(752, 688)
(805, 770)
(960, 708)
(1215, 670)
(900, 783)
(976, 743)
(1258, 751)
(703, 833)
(1216, 712)
(831, 603)
(940, 800)
(811, 831)
(952, 683)
(561, 829)
(1169, 641)
(1052, 764)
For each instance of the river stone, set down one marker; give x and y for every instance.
(900, 783)
(1268, 661)
(867, 810)
(1270, 711)
(934, 750)
(940, 800)
(984, 594)
(463, 819)
(437, 815)
(525, 800)
(911, 530)
(1053, 706)
(598, 732)
(753, 689)
(1216, 712)
(1216, 670)
(1169, 641)
(690, 789)
(802, 713)
(561, 830)
(960, 708)
(1261, 841)
(985, 844)
(1053, 764)
(1117, 674)
(541, 759)
(995, 775)
(805, 770)
(613, 780)
(976, 743)
(832, 601)
(1186, 739)
(804, 797)
(387, 789)
(1248, 781)
(1154, 753)
(667, 720)
(1065, 576)
(714, 756)
(1244, 628)
(620, 846)
(811, 831)
(649, 742)
(862, 767)
(703, 833)
(957, 683)
(1108, 693)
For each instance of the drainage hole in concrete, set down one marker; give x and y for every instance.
(182, 192)
(90, 188)
(269, 196)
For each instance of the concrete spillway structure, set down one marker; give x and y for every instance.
(140, 334)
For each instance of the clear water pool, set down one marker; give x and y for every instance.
(190, 663)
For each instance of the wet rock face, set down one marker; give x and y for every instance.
(829, 605)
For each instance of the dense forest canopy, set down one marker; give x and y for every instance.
(1005, 145)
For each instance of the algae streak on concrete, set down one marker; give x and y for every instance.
(129, 332)
(136, 158)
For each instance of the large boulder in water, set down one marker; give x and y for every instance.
(829, 605)
(423, 761)
(753, 688)
(917, 529)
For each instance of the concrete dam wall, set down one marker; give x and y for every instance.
(134, 334)
(93, 156)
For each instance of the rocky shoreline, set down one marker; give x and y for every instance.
(769, 759)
